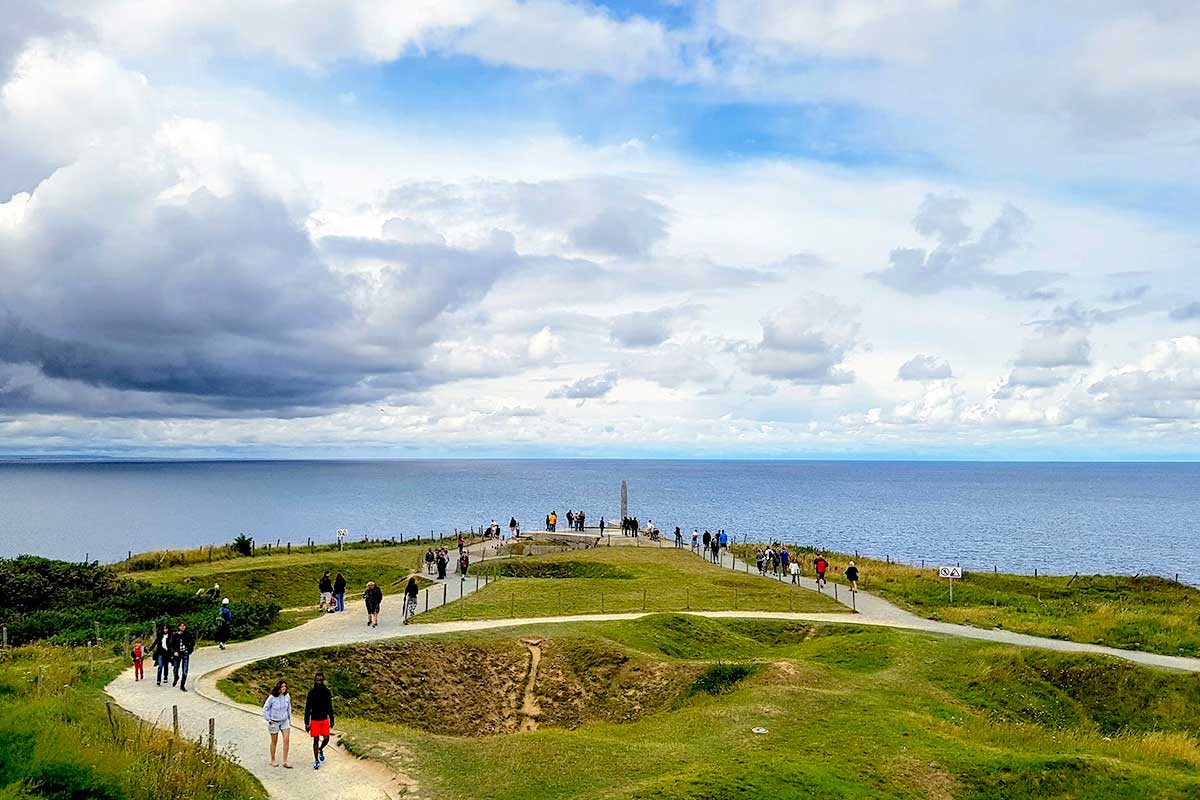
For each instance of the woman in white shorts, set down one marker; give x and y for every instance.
(277, 711)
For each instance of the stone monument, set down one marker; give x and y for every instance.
(624, 501)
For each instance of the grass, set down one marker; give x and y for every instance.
(290, 581)
(1142, 613)
(622, 579)
(58, 741)
(850, 712)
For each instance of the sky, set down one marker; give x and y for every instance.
(650, 228)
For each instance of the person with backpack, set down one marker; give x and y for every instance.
(224, 623)
(183, 642)
(821, 566)
(784, 558)
(429, 559)
(852, 576)
(339, 592)
(678, 538)
(410, 599)
(373, 597)
(318, 717)
(277, 711)
(138, 654)
(162, 655)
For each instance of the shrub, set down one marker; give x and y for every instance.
(243, 544)
(721, 678)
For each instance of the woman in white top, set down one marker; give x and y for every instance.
(277, 711)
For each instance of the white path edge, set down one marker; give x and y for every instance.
(240, 729)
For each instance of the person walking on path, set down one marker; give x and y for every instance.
(512, 527)
(695, 541)
(138, 654)
(183, 642)
(464, 563)
(723, 537)
(678, 538)
(794, 569)
(784, 558)
(318, 717)
(224, 623)
(716, 549)
(162, 655)
(759, 560)
(373, 597)
(429, 559)
(442, 560)
(821, 566)
(707, 541)
(852, 576)
(325, 587)
(602, 526)
(410, 599)
(339, 592)
(277, 711)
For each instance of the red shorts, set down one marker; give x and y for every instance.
(318, 727)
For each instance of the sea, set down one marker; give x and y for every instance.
(1058, 518)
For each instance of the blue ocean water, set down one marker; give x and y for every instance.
(1061, 517)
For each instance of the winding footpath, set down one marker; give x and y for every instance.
(241, 731)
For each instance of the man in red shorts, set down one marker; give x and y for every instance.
(318, 717)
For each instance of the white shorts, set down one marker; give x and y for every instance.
(277, 727)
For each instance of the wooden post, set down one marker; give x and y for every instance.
(1035, 572)
(212, 734)
(91, 663)
(602, 602)
(644, 599)
(512, 604)
(735, 598)
(835, 597)
(111, 722)
(175, 719)
(687, 599)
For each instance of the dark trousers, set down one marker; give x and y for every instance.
(180, 670)
(163, 663)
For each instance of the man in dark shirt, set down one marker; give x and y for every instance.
(318, 717)
(183, 642)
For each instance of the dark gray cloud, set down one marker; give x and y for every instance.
(214, 304)
(957, 261)
(1187, 311)
(586, 388)
(924, 368)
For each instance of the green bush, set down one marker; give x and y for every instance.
(721, 678)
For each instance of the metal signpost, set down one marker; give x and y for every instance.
(952, 573)
(342, 533)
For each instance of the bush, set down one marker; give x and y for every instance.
(243, 544)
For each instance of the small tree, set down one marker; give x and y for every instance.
(243, 544)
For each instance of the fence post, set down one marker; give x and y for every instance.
(512, 604)
(602, 602)
(212, 734)
(175, 719)
(90, 662)
(735, 599)
(112, 723)
(644, 599)
(835, 597)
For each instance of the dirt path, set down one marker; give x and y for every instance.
(530, 710)
(242, 730)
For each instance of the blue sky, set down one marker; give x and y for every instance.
(822, 228)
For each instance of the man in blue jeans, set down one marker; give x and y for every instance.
(182, 645)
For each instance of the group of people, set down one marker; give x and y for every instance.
(494, 531)
(171, 653)
(318, 719)
(630, 526)
(776, 560)
(437, 561)
(333, 593)
(713, 546)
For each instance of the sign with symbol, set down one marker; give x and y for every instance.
(954, 573)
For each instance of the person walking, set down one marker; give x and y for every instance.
(784, 558)
(224, 623)
(695, 541)
(339, 592)
(794, 569)
(443, 559)
(715, 549)
(602, 526)
(318, 717)
(723, 537)
(707, 539)
(183, 642)
(162, 655)
(678, 537)
(325, 587)
(464, 563)
(277, 711)
(821, 566)
(852, 576)
(373, 597)
(410, 599)
(759, 559)
(138, 654)
(429, 559)
(512, 527)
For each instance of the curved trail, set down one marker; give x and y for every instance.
(240, 729)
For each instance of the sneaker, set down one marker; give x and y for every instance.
(316, 765)
(321, 754)
(183, 688)
(368, 623)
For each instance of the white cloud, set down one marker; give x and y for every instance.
(924, 368)
(806, 343)
(586, 388)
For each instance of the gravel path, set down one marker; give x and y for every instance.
(241, 730)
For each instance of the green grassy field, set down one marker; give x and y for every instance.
(58, 742)
(1143, 613)
(615, 579)
(290, 581)
(850, 712)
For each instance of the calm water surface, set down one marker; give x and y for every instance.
(1055, 517)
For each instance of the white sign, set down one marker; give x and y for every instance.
(950, 572)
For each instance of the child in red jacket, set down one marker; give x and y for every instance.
(139, 655)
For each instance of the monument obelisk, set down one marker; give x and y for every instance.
(624, 501)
